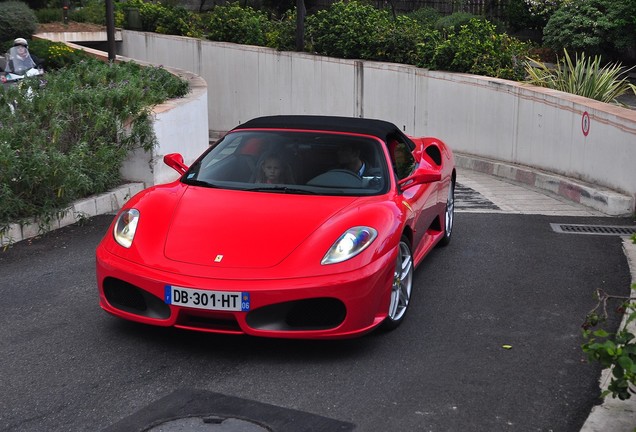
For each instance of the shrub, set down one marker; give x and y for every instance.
(519, 16)
(49, 15)
(56, 55)
(91, 12)
(16, 20)
(453, 22)
(160, 18)
(403, 40)
(233, 23)
(356, 30)
(427, 17)
(597, 27)
(64, 135)
(584, 77)
(282, 32)
(346, 30)
(180, 21)
(478, 49)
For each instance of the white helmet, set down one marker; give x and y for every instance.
(20, 41)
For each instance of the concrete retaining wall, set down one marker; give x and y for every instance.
(486, 117)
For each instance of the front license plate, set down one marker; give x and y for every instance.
(210, 300)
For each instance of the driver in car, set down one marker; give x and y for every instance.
(349, 158)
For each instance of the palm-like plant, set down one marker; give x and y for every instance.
(585, 76)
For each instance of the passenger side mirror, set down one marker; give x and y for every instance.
(175, 161)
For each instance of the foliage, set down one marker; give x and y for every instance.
(93, 12)
(64, 135)
(427, 48)
(427, 17)
(282, 32)
(585, 76)
(545, 8)
(478, 49)
(164, 19)
(453, 22)
(519, 16)
(357, 30)
(233, 23)
(56, 55)
(404, 40)
(597, 27)
(346, 30)
(613, 350)
(16, 20)
(48, 15)
(350, 29)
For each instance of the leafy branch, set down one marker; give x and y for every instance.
(613, 350)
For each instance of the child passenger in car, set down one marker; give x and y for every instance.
(272, 169)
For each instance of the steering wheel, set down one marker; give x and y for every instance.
(337, 178)
(344, 171)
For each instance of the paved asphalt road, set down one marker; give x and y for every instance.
(505, 279)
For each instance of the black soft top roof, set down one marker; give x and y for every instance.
(379, 128)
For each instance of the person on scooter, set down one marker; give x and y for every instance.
(19, 59)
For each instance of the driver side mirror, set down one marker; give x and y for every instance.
(420, 176)
(175, 161)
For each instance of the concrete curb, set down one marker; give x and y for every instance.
(107, 202)
(607, 201)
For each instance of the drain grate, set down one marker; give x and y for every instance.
(593, 229)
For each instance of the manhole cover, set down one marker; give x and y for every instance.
(207, 424)
(593, 229)
(192, 410)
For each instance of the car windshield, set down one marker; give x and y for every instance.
(321, 163)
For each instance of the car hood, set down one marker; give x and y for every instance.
(232, 229)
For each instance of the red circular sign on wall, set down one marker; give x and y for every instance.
(585, 123)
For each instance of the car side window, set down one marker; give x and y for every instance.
(403, 160)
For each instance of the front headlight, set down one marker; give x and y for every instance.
(350, 244)
(124, 231)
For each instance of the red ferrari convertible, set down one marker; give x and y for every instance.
(288, 227)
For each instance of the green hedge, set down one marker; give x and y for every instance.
(351, 29)
(64, 135)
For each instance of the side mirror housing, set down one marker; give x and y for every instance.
(417, 153)
(175, 161)
(420, 176)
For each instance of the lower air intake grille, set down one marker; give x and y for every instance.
(594, 229)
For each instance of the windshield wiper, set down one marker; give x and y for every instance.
(281, 189)
(194, 182)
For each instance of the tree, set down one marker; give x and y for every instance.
(596, 27)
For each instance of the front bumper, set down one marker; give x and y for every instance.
(334, 306)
